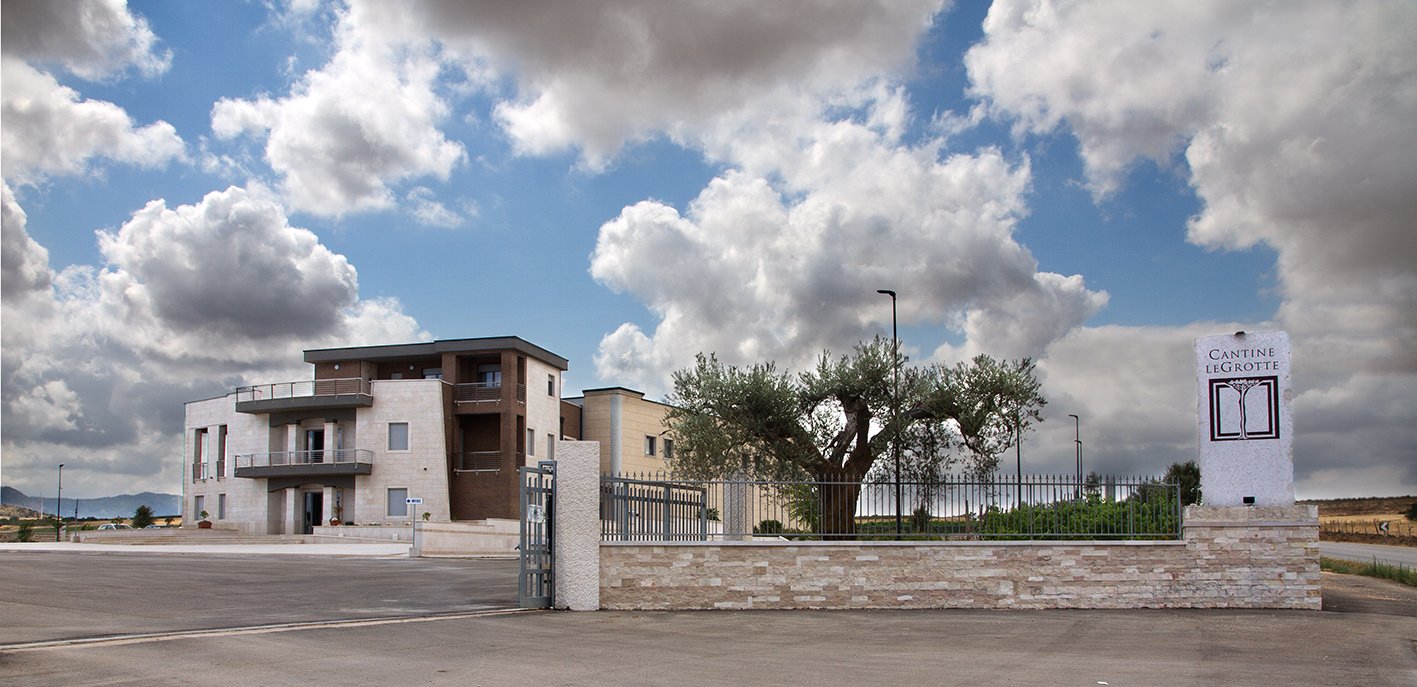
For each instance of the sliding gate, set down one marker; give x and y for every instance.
(535, 573)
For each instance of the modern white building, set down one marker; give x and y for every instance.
(447, 422)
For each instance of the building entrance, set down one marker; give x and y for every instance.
(314, 511)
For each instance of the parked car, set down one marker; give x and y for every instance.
(114, 526)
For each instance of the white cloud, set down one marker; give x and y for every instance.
(92, 39)
(594, 76)
(51, 130)
(366, 119)
(191, 301)
(1295, 134)
(429, 212)
(753, 273)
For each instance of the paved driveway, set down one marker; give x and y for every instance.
(50, 595)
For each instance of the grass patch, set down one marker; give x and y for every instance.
(1397, 573)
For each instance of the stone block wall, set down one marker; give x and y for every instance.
(1229, 558)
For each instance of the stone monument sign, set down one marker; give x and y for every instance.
(1245, 424)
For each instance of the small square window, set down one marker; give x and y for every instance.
(398, 503)
(649, 445)
(398, 436)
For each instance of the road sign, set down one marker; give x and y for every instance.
(1382, 527)
(535, 513)
(414, 500)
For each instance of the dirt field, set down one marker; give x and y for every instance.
(1371, 508)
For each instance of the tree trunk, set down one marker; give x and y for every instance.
(838, 495)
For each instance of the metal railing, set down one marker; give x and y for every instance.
(646, 508)
(349, 386)
(484, 392)
(280, 458)
(479, 461)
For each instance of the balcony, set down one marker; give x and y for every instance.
(345, 461)
(484, 392)
(478, 461)
(309, 394)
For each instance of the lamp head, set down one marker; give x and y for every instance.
(886, 292)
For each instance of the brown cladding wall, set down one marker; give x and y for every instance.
(570, 421)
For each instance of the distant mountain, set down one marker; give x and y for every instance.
(103, 507)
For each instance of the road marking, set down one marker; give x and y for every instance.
(146, 637)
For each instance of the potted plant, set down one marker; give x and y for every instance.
(337, 515)
(204, 523)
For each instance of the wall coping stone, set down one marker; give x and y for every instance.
(912, 544)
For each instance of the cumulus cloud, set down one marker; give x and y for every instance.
(367, 118)
(92, 39)
(429, 212)
(189, 302)
(1294, 134)
(753, 273)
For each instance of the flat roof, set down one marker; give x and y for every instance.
(438, 347)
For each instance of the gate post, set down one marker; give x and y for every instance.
(576, 527)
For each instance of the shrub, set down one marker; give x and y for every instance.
(1412, 512)
(142, 517)
(26, 531)
(768, 527)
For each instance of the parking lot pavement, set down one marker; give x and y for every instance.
(48, 595)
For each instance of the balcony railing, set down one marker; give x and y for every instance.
(479, 461)
(325, 463)
(281, 458)
(484, 392)
(349, 386)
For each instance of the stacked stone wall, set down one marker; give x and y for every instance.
(1228, 558)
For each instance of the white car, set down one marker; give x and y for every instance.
(114, 526)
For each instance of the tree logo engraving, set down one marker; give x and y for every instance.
(1244, 408)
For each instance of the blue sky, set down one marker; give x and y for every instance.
(626, 184)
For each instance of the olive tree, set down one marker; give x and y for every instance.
(834, 422)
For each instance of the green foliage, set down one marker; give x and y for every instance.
(1412, 512)
(142, 517)
(1092, 486)
(804, 505)
(1152, 517)
(768, 527)
(1188, 476)
(25, 531)
(714, 515)
(1386, 571)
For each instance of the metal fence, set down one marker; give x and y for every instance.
(350, 386)
(331, 455)
(1041, 507)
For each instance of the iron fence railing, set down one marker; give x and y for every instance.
(350, 386)
(1038, 507)
(279, 458)
(479, 461)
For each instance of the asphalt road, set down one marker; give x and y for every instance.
(74, 595)
(1405, 555)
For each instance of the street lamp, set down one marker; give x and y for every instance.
(59, 504)
(895, 403)
(1077, 441)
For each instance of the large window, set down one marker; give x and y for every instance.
(491, 375)
(199, 505)
(398, 436)
(199, 454)
(550, 385)
(550, 446)
(530, 441)
(221, 506)
(398, 503)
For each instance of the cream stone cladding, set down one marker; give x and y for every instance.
(246, 499)
(620, 419)
(1229, 558)
(422, 469)
(543, 411)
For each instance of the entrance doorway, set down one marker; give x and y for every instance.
(314, 511)
(315, 444)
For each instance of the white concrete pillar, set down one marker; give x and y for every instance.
(293, 509)
(329, 504)
(331, 441)
(576, 524)
(292, 438)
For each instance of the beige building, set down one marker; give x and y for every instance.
(629, 427)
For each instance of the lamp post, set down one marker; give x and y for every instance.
(1077, 442)
(59, 504)
(895, 404)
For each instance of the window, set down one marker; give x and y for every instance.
(221, 452)
(199, 504)
(398, 503)
(550, 385)
(491, 375)
(199, 454)
(530, 441)
(398, 436)
(550, 446)
(433, 373)
(221, 506)
(649, 445)
(669, 449)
